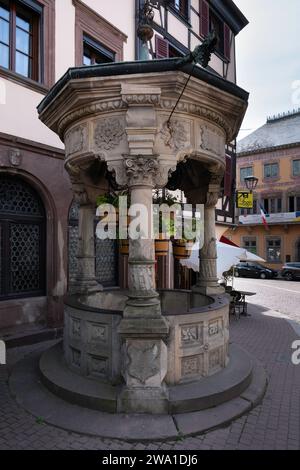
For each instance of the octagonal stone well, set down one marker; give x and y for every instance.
(124, 126)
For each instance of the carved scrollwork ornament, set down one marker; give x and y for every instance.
(80, 195)
(108, 133)
(74, 172)
(141, 170)
(212, 198)
(174, 134)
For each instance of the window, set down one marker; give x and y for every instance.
(209, 20)
(94, 53)
(294, 204)
(19, 38)
(244, 172)
(250, 245)
(96, 40)
(274, 250)
(181, 6)
(273, 205)
(296, 168)
(22, 236)
(271, 170)
(217, 25)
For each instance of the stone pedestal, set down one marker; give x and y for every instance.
(208, 279)
(143, 328)
(85, 281)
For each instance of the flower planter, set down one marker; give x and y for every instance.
(124, 247)
(161, 246)
(182, 249)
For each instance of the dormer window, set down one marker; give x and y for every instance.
(95, 53)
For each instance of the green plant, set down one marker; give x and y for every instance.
(107, 199)
(112, 198)
(188, 234)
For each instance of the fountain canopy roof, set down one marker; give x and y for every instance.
(141, 67)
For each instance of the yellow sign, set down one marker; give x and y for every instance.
(244, 200)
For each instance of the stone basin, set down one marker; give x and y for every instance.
(197, 344)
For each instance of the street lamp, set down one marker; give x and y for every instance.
(251, 183)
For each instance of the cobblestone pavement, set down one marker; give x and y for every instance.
(274, 424)
(275, 294)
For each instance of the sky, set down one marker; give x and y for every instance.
(268, 59)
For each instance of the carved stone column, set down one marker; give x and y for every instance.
(208, 279)
(85, 280)
(143, 328)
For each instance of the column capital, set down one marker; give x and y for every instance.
(213, 192)
(141, 170)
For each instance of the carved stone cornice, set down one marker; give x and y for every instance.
(202, 111)
(140, 95)
(84, 111)
(139, 99)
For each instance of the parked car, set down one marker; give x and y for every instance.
(291, 271)
(247, 269)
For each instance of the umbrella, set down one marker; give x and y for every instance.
(228, 256)
(248, 256)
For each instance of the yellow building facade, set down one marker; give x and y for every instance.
(272, 154)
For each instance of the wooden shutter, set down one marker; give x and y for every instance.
(226, 41)
(228, 176)
(161, 48)
(204, 18)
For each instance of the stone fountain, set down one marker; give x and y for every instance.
(143, 351)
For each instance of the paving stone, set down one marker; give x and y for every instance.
(274, 424)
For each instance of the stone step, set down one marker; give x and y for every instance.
(199, 395)
(33, 396)
(25, 335)
(216, 389)
(59, 379)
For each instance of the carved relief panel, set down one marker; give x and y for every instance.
(173, 136)
(109, 136)
(76, 140)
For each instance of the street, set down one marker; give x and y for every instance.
(273, 294)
